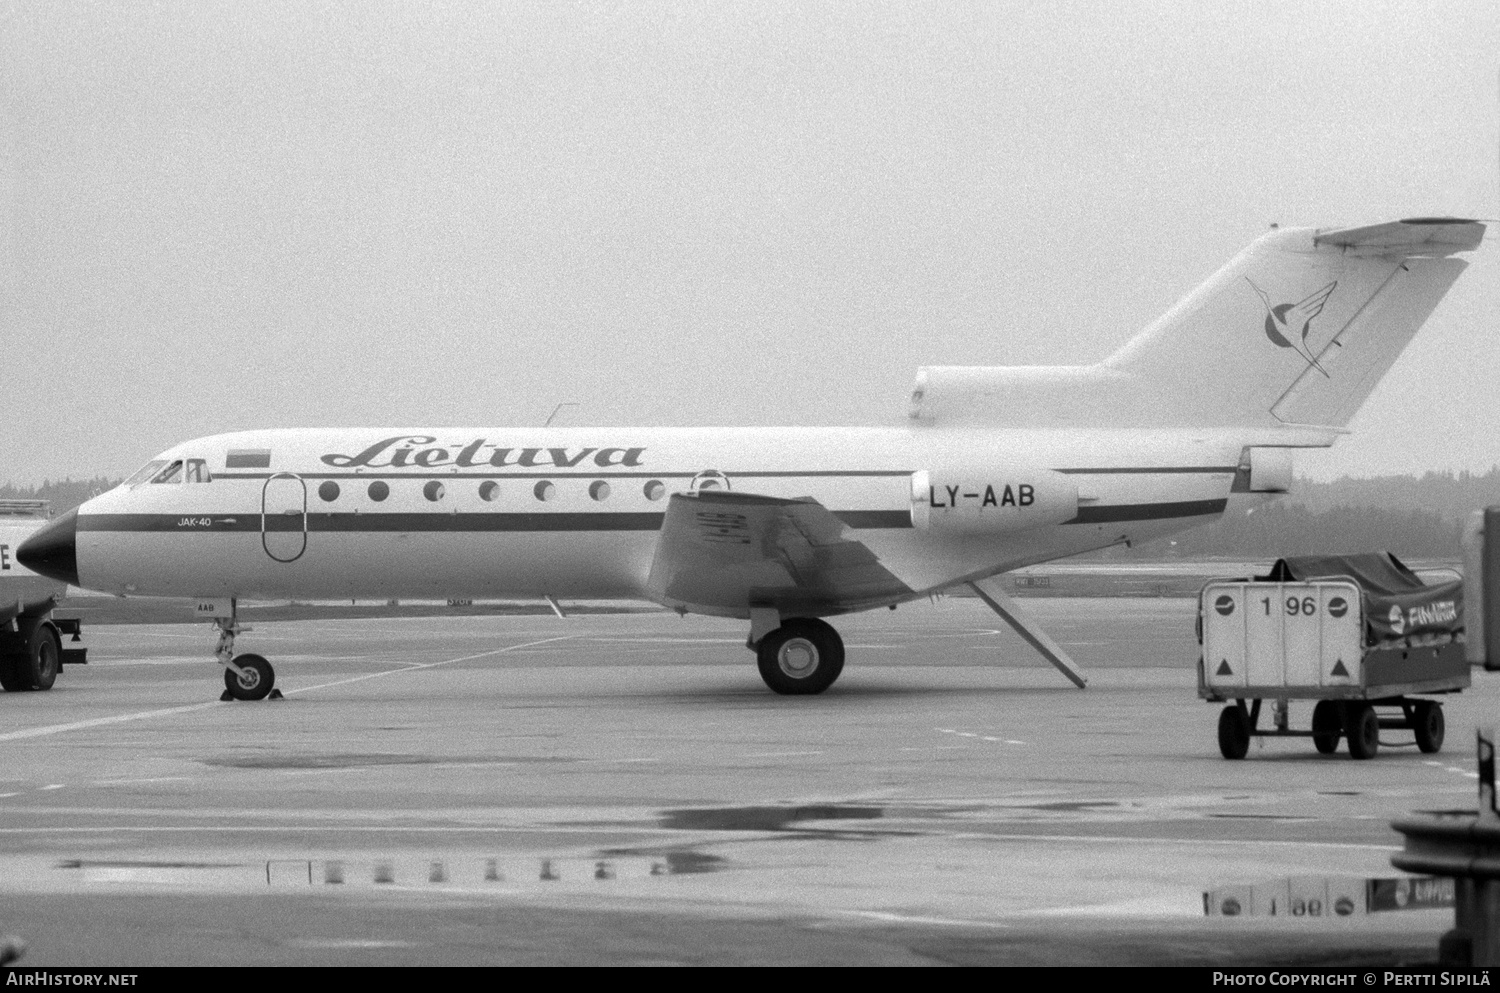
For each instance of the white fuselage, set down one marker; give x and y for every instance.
(294, 513)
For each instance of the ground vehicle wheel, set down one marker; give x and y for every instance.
(803, 656)
(257, 681)
(43, 657)
(1428, 718)
(1327, 726)
(38, 666)
(1234, 732)
(1362, 727)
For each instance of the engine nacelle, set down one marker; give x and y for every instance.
(995, 499)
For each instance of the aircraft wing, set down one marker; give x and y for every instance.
(721, 552)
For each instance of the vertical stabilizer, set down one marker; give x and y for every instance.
(1298, 328)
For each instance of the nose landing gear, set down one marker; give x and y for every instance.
(246, 677)
(254, 680)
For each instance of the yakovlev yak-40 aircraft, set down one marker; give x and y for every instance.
(1196, 416)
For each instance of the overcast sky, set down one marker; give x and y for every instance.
(233, 215)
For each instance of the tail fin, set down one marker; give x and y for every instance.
(1296, 329)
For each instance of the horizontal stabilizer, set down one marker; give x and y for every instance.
(1414, 236)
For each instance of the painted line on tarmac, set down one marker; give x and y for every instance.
(359, 944)
(971, 734)
(891, 917)
(101, 721)
(777, 755)
(428, 665)
(51, 729)
(1453, 769)
(665, 641)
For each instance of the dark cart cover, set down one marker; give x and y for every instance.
(1398, 606)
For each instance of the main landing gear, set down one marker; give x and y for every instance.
(246, 677)
(797, 657)
(804, 655)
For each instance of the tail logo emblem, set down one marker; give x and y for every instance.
(1287, 324)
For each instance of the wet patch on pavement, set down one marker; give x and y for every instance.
(764, 818)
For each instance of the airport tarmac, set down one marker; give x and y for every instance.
(622, 789)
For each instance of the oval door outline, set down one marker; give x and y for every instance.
(279, 503)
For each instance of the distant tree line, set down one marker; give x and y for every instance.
(1286, 528)
(1415, 517)
(1446, 494)
(65, 494)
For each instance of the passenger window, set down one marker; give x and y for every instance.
(171, 474)
(197, 471)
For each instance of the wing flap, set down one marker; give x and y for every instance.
(723, 552)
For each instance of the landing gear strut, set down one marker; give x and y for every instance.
(248, 677)
(990, 591)
(800, 657)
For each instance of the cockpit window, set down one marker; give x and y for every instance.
(144, 473)
(197, 471)
(171, 474)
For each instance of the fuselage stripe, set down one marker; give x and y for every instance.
(1213, 470)
(437, 473)
(413, 472)
(355, 523)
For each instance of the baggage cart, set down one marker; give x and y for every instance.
(1360, 635)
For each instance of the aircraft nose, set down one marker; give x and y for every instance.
(53, 550)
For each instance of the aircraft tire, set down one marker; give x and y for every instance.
(802, 657)
(43, 657)
(1327, 727)
(1234, 733)
(1429, 726)
(260, 678)
(1362, 729)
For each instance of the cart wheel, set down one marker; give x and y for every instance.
(1362, 727)
(1234, 732)
(1327, 726)
(1428, 720)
